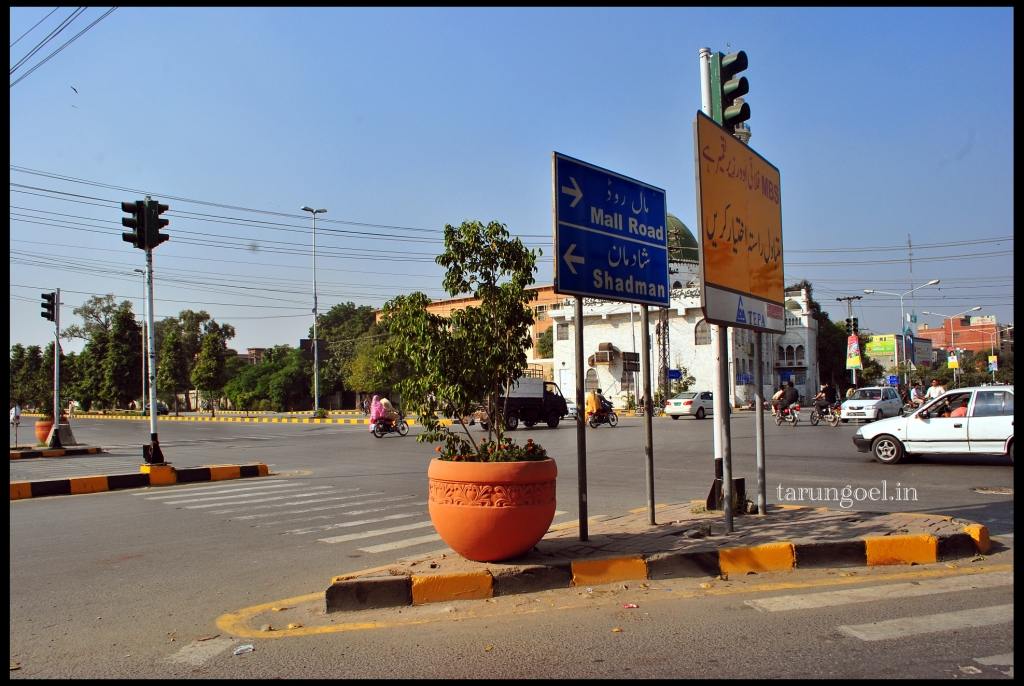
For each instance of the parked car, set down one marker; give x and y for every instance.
(985, 429)
(696, 404)
(161, 407)
(571, 407)
(871, 403)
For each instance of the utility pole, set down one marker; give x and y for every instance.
(851, 323)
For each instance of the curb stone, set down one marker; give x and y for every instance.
(149, 475)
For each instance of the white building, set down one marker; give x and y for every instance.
(612, 328)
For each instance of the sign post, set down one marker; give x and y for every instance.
(740, 217)
(611, 242)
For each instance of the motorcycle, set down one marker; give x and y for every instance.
(788, 414)
(831, 415)
(387, 426)
(602, 417)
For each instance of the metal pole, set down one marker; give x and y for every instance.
(55, 431)
(645, 337)
(721, 428)
(762, 503)
(316, 346)
(704, 56)
(903, 340)
(632, 331)
(157, 454)
(144, 341)
(581, 422)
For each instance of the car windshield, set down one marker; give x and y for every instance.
(686, 395)
(867, 394)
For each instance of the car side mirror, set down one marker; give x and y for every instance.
(923, 415)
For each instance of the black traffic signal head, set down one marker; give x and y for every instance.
(849, 326)
(154, 222)
(726, 87)
(136, 222)
(49, 306)
(855, 328)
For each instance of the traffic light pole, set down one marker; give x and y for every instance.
(155, 455)
(55, 432)
(849, 317)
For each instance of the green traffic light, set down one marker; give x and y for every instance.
(727, 88)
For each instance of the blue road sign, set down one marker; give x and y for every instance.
(675, 374)
(893, 380)
(611, 237)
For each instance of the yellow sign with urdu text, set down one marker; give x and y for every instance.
(740, 209)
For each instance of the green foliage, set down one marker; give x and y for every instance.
(683, 383)
(172, 366)
(122, 365)
(97, 315)
(360, 369)
(493, 451)
(453, 362)
(546, 344)
(341, 328)
(278, 382)
(208, 374)
(320, 413)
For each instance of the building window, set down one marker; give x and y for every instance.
(702, 333)
(800, 352)
(562, 332)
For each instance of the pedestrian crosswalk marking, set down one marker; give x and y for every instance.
(259, 498)
(325, 507)
(929, 624)
(316, 499)
(345, 525)
(213, 490)
(881, 592)
(340, 525)
(375, 532)
(408, 542)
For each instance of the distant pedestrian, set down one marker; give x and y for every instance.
(935, 390)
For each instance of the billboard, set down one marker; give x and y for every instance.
(879, 345)
(853, 353)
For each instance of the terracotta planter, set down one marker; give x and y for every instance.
(43, 427)
(490, 511)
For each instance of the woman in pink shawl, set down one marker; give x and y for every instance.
(376, 411)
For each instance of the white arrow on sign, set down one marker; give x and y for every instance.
(574, 191)
(570, 258)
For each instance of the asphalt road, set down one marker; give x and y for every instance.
(118, 583)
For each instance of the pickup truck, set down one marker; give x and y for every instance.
(530, 400)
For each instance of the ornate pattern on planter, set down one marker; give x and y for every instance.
(505, 495)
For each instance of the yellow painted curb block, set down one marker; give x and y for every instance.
(263, 469)
(901, 550)
(979, 532)
(159, 475)
(224, 471)
(769, 557)
(441, 587)
(790, 507)
(21, 489)
(609, 570)
(88, 484)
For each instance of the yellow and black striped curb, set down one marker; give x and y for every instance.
(387, 590)
(149, 475)
(53, 452)
(242, 420)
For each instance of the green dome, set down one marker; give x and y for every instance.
(682, 246)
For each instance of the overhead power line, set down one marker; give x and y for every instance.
(55, 52)
(33, 26)
(53, 34)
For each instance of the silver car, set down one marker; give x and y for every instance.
(872, 403)
(696, 404)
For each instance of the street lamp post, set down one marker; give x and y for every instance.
(143, 272)
(903, 335)
(316, 351)
(950, 318)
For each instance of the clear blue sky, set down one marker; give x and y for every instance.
(883, 123)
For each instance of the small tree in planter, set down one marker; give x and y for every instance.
(492, 499)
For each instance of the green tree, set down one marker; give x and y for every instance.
(340, 328)
(122, 365)
(546, 344)
(88, 389)
(97, 315)
(456, 361)
(172, 374)
(18, 390)
(208, 374)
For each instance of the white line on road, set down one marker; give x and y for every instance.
(930, 624)
(376, 532)
(258, 498)
(408, 542)
(214, 490)
(360, 522)
(342, 525)
(325, 507)
(304, 502)
(882, 592)
(1004, 660)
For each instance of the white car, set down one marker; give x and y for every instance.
(985, 427)
(697, 404)
(870, 403)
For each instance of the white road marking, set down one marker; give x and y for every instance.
(881, 592)
(198, 652)
(376, 532)
(360, 522)
(1006, 659)
(216, 490)
(321, 509)
(304, 502)
(930, 624)
(384, 547)
(261, 498)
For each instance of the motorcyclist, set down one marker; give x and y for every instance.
(605, 403)
(821, 400)
(790, 396)
(777, 398)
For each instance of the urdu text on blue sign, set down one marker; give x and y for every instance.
(610, 235)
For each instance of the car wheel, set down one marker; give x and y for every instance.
(878, 415)
(553, 421)
(700, 413)
(887, 449)
(528, 424)
(1009, 453)
(674, 416)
